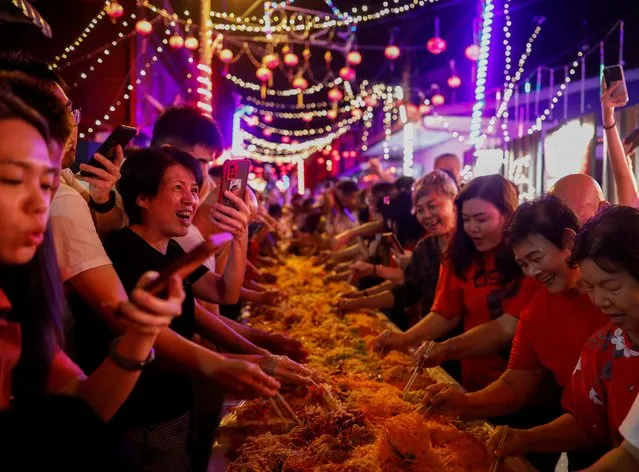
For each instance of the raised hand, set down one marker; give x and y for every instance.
(243, 379)
(233, 220)
(447, 398)
(102, 181)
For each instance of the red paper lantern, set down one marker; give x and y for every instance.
(307, 117)
(412, 111)
(300, 83)
(226, 56)
(424, 109)
(331, 114)
(353, 154)
(347, 73)
(264, 74)
(286, 139)
(191, 43)
(176, 41)
(144, 27)
(371, 101)
(472, 52)
(335, 95)
(454, 81)
(436, 45)
(438, 99)
(291, 60)
(320, 160)
(268, 132)
(326, 152)
(294, 142)
(334, 153)
(114, 10)
(391, 52)
(354, 58)
(268, 119)
(271, 61)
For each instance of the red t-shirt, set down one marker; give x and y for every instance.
(61, 371)
(552, 331)
(605, 383)
(480, 298)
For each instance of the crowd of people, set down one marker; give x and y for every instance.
(533, 307)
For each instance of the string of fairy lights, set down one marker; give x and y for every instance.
(80, 39)
(283, 92)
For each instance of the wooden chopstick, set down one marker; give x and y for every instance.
(417, 370)
(277, 409)
(502, 440)
(288, 408)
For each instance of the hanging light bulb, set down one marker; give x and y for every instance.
(114, 10)
(300, 83)
(436, 44)
(191, 43)
(335, 95)
(354, 58)
(391, 52)
(176, 41)
(454, 81)
(291, 60)
(143, 27)
(226, 56)
(264, 74)
(347, 73)
(437, 99)
(472, 52)
(271, 61)
(331, 114)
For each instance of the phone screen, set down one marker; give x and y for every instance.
(234, 179)
(613, 74)
(121, 135)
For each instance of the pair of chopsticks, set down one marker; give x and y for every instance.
(286, 406)
(424, 409)
(502, 440)
(330, 399)
(418, 368)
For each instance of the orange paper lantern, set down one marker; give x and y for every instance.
(114, 10)
(354, 58)
(176, 41)
(143, 27)
(271, 61)
(191, 43)
(226, 56)
(291, 60)
(391, 52)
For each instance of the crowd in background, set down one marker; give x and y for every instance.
(533, 308)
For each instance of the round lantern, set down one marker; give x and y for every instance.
(264, 74)
(331, 114)
(335, 95)
(294, 142)
(176, 41)
(437, 99)
(300, 83)
(271, 61)
(191, 43)
(391, 52)
(353, 154)
(326, 151)
(144, 27)
(253, 121)
(307, 117)
(114, 10)
(371, 101)
(268, 132)
(320, 160)
(412, 112)
(268, 119)
(436, 45)
(291, 60)
(286, 139)
(226, 56)
(354, 58)
(347, 73)
(454, 81)
(472, 52)
(424, 109)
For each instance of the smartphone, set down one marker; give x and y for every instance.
(612, 75)
(234, 179)
(185, 265)
(121, 135)
(394, 242)
(632, 140)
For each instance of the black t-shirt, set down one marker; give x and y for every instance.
(159, 395)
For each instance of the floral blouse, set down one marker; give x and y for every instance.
(605, 383)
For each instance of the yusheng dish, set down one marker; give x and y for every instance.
(354, 418)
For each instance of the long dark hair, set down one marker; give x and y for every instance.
(37, 303)
(501, 193)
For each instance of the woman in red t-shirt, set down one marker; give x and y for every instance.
(605, 381)
(479, 279)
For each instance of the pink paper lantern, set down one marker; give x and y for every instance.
(436, 45)
(391, 52)
(354, 58)
(472, 52)
(143, 27)
(291, 60)
(454, 81)
(438, 99)
(347, 73)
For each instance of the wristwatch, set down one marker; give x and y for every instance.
(125, 363)
(103, 207)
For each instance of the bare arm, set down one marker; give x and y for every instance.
(433, 326)
(624, 458)
(366, 229)
(378, 301)
(482, 340)
(384, 286)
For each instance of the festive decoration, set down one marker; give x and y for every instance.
(332, 114)
(438, 99)
(409, 138)
(264, 74)
(482, 71)
(454, 81)
(268, 119)
(144, 27)
(271, 61)
(307, 117)
(226, 56)
(347, 73)
(425, 108)
(191, 43)
(286, 139)
(71, 47)
(391, 52)
(300, 83)
(388, 108)
(436, 45)
(176, 41)
(291, 60)
(283, 93)
(114, 10)
(267, 132)
(335, 95)
(354, 58)
(472, 52)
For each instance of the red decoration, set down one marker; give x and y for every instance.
(286, 139)
(291, 60)
(326, 152)
(268, 119)
(354, 58)
(454, 81)
(353, 154)
(436, 45)
(391, 52)
(264, 74)
(472, 52)
(438, 99)
(347, 73)
(320, 160)
(300, 83)
(294, 142)
(253, 120)
(226, 56)
(345, 154)
(335, 95)
(371, 101)
(307, 117)
(331, 114)
(176, 41)
(144, 27)
(268, 132)
(271, 61)
(191, 43)
(114, 10)
(412, 112)
(425, 109)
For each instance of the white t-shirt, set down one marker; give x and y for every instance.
(191, 240)
(629, 429)
(77, 243)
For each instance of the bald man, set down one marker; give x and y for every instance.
(449, 163)
(582, 193)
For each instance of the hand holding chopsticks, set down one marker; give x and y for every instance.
(288, 408)
(502, 439)
(418, 368)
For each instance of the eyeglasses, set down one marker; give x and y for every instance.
(77, 116)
